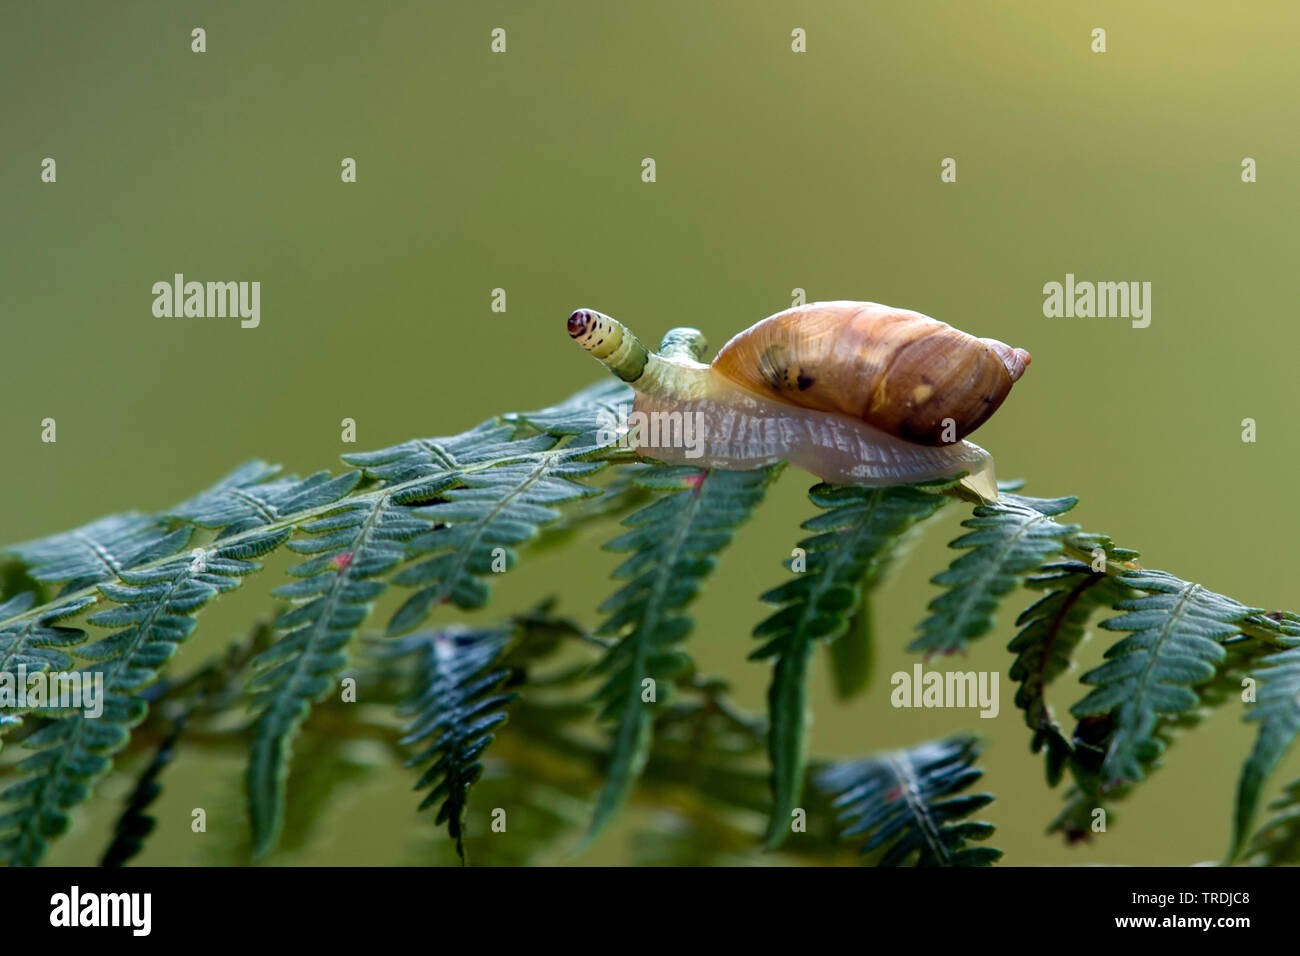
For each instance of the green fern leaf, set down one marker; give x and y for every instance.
(1093, 789)
(431, 464)
(1178, 630)
(154, 614)
(903, 803)
(490, 488)
(480, 522)
(352, 548)
(594, 407)
(100, 550)
(1051, 629)
(454, 709)
(1277, 710)
(857, 531)
(249, 498)
(34, 645)
(672, 545)
(459, 502)
(1008, 541)
(434, 463)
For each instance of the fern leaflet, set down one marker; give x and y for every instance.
(903, 803)
(1178, 630)
(33, 645)
(672, 543)
(480, 523)
(352, 547)
(455, 706)
(154, 614)
(856, 532)
(1277, 711)
(1008, 540)
(1051, 629)
(250, 497)
(100, 550)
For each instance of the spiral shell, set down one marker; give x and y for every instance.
(901, 372)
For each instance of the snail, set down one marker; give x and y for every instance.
(854, 392)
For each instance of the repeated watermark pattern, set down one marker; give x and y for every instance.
(922, 688)
(21, 690)
(629, 428)
(208, 300)
(1114, 300)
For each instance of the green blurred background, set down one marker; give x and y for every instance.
(775, 170)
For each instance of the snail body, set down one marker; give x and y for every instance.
(854, 392)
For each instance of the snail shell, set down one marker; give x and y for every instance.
(902, 372)
(855, 392)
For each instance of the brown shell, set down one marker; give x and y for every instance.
(899, 371)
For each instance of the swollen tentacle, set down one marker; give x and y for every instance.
(671, 375)
(684, 343)
(611, 342)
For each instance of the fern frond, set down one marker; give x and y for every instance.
(1051, 630)
(134, 825)
(250, 498)
(1176, 642)
(35, 645)
(481, 522)
(100, 550)
(1008, 541)
(903, 803)
(454, 709)
(154, 614)
(672, 545)
(856, 532)
(353, 548)
(429, 464)
(595, 407)
(616, 499)
(426, 465)
(1093, 789)
(490, 487)
(1277, 710)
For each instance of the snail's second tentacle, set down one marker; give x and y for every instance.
(684, 343)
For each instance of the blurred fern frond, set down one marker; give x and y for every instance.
(905, 804)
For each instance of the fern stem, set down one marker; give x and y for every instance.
(910, 790)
